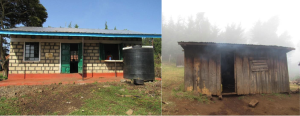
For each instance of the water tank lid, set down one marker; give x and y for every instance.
(130, 47)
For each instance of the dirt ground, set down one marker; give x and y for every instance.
(269, 104)
(63, 99)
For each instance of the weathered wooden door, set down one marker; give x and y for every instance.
(65, 58)
(80, 61)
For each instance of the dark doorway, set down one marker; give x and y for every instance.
(227, 72)
(74, 58)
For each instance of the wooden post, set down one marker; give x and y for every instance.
(169, 58)
(82, 57)
(115, 69)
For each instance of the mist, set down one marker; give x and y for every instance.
(199, 28)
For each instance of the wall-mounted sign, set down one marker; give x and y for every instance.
(49, 55)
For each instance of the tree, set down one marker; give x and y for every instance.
(156, 43)
(196, 28)
(70, 25)
(106, 25)
(147, 41)
(76, 26)
(14, 12)
(266, 33)
(115, 28)
(233, 33)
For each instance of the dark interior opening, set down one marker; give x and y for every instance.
(227, 72)
(74, 58)
(111, 50)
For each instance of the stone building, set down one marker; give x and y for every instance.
(38, 52)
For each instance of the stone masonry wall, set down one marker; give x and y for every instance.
(44, 66)
(92, 64)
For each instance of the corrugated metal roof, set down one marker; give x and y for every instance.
(72, 30)
(234, 45)
(75, 32)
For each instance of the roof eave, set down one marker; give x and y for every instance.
(79, 34)
(183, 44)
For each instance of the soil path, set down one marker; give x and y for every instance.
(269, 104)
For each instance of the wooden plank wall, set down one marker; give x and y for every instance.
(207, 73)
(202, 73)
(273, 80)
(188, 70)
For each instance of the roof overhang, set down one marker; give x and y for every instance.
(79, 34)
(232, 45)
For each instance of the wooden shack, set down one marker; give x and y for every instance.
(222, 68)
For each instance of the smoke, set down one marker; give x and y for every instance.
(198, 28)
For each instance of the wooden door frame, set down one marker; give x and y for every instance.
(235, 77)
(234, 69)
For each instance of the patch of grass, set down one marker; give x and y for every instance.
(7, 106)
(180, 88)
(1, 77)
(294, 87)
(241, 97)
(113, 104)
(280, 96)
(76, 95)
(23, 96)
(191, 96)
(171, 74)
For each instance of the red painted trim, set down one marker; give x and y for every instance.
(49, 76)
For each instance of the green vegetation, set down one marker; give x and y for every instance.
(29, 13)
(109, 101)
(156, 42)
(7, 106)
(2, 77)
(191, 96)
(106, 27)
(294, 87)
(70, 25)
(76, 26)
(178, 92)
(172, 74)
(241, 97)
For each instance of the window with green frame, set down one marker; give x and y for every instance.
(115, 51)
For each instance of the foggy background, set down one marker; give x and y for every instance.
(231, 21)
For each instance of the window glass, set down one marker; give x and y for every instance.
(32, 51)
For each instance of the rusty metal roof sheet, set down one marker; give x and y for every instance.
(182, 43)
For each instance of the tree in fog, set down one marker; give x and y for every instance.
(197, 29)
(233, 33)
(266, 33)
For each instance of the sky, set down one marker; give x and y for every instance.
(246, 13)
(223, 12)
(135, 15)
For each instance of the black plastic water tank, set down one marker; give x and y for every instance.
(138, 63)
